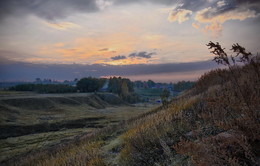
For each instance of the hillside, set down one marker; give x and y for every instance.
(31, 121)
(214, 123)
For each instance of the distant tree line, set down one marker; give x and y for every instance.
(144, 84)
(123, 87)
(51, 81)
(90, 84)
(183, 85)
(179, 86)
(44, 88)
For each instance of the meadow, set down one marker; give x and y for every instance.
(31, 121)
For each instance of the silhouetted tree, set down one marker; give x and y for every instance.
(90, 84)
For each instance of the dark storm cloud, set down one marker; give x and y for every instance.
(47, 9)
(11, 70)
(119, 57)
(142, 54)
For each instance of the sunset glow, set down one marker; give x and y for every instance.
(110, 31)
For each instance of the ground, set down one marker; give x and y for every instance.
(32, 121)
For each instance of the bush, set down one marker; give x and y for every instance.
(132, 98)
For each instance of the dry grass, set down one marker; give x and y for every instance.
(61, 113)
(215, 123)
(15, 146)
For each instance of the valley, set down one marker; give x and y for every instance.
(31, 121)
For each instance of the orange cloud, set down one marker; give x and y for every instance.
(214, 29)
(59, 45)
(180, 15)
(88, 49)
(129, 61)
(237, 14)
(214, 20)
(196, 25)
(62, 25)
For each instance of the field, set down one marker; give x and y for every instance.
(32, 121)
(153, 95)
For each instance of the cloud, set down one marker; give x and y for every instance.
(214, 29)
(210, 14)
(166, 2)
(104, 49)
(192, 5)
(215, 17)
(221, 3)
(196, 25)
(119, 57)
(102, 4)
(14, 70)
(180, 15)
(142, 54)
(46, 9)
(7, 55)
(62, 25)
(59, 9)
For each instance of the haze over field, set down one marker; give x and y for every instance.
(73, 39)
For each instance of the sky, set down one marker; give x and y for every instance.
(82, 38)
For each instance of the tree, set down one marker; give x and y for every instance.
(164, 96)
(130, 84)
(124, 89)
(115, 85)
(89, 84)
(138, 84)
(150, 83)
(183, 85)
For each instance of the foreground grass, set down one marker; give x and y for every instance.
(15, 146)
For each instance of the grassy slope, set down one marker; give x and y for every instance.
(215, 123)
